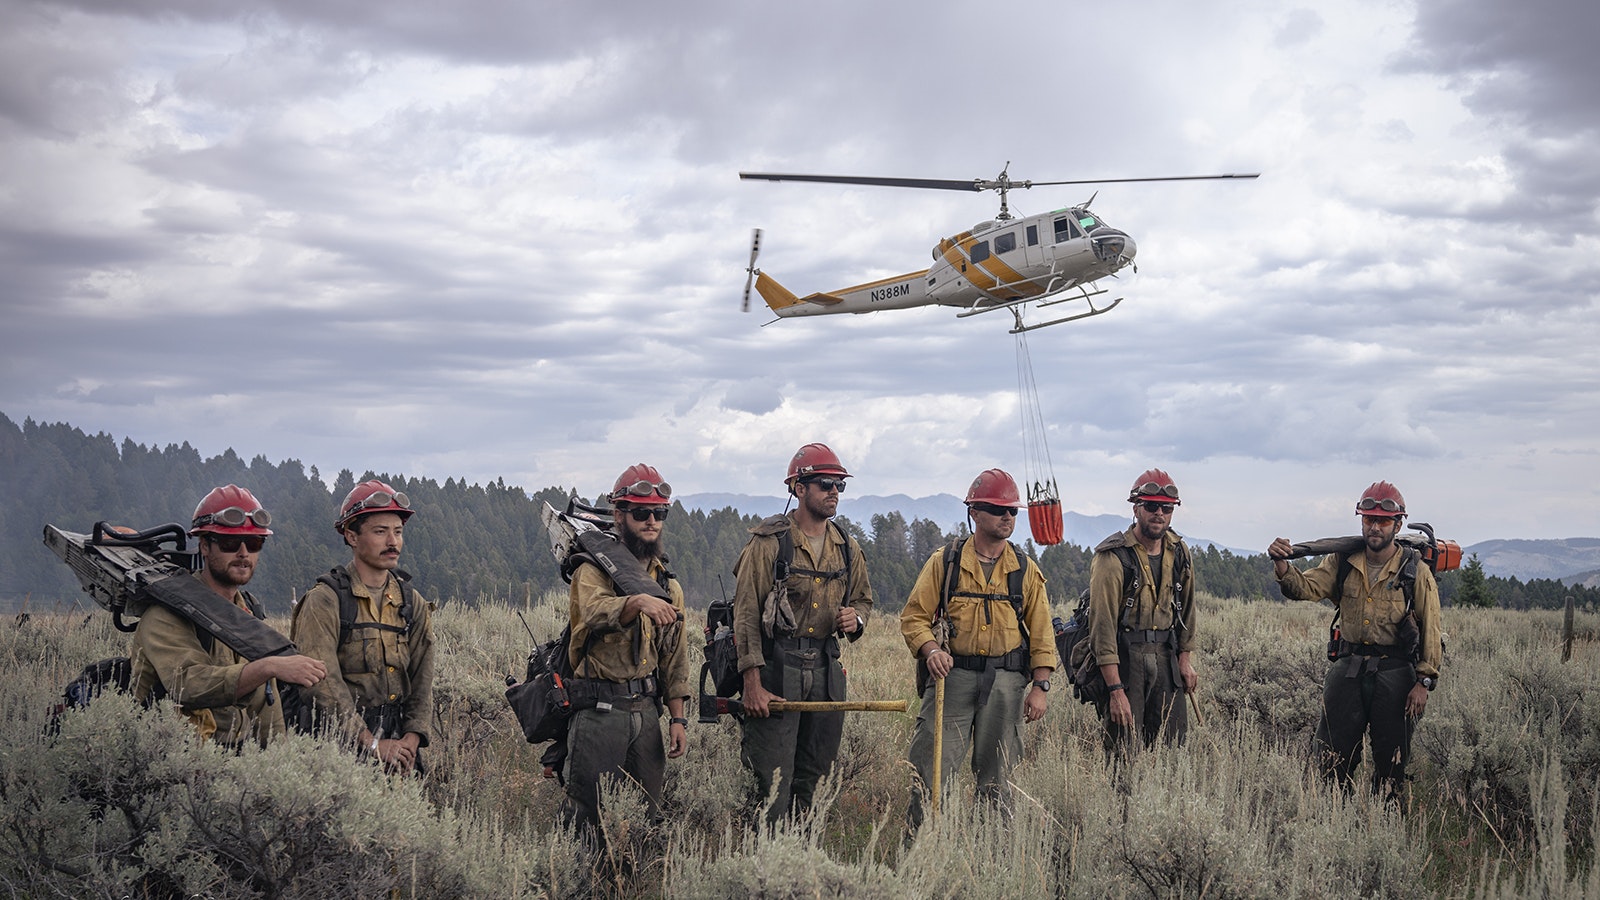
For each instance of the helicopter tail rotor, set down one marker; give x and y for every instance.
(750, 271)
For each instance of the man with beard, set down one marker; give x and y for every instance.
(1387, 644)
(225, 696)
(1142, 622)
(628, 653)
(971, 618)
(374, 632)
(800, 582)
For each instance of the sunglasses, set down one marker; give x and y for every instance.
(1165, 490)
(645, 489)
(1151, 506)
(995, 510)
(826, 484)
(230, 543)
(233, 517)
(1387, 504)
(380, 500)
(646, 513)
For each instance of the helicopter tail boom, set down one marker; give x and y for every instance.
(901, 292)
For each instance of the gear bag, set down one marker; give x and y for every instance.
(720, 671)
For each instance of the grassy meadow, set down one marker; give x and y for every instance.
(1506, 765)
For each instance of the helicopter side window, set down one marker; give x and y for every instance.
(1005, 243)
(1066, 230)
(980, 251)
(1033, 235)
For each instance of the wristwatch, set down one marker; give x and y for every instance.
(1428, 681)
(1043, 684)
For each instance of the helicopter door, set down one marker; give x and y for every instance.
(1033, 246)
(1071, 250)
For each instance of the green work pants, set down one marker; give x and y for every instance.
(1150, 679)
(993, 731)
(1364, 694)
(614, 743)
(799, 747)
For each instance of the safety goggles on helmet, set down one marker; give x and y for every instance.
(644, 489)
(230, 543)
(1152, 506)
(993, 509)
(825, 483)
(1387, 504)
(1151, 487)
(379, 500)
(234, 517)
(646, 513)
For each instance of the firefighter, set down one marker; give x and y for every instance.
(225, 696)
(1388, 647)
(374, 632)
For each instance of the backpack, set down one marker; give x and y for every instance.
(1076, 654)
(721, 666)
(115, 673)
(299, 710)
(952, 575)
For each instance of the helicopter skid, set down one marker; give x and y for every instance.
(1015, 306)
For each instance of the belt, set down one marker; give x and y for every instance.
(607, 690)
(1014, 661)
(1372, 650)
(1148, 636)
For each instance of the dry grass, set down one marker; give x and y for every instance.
(1503, 803)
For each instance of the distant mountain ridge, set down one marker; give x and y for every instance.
(946, 510)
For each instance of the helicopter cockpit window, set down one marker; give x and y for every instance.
(980, 251)
(1088, 222)
(1066, 230)
(1005, 243)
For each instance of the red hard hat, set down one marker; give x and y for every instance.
(230, 510)
(641, 485)
(370, 497)
(1382, 499)
(1155, 485)
(994, 486)
(814, 459)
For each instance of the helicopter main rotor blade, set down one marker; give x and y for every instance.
(1126, 180)
(941, 184)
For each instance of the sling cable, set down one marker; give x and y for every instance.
(1044, 499)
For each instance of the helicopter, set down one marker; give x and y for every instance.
(1003, 263)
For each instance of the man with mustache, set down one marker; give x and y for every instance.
(374, 632)
(226, 697)
(629, 655)
(800, 583)
(1387, 648)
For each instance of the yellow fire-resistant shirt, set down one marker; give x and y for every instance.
(595, 608)
(167, 651)
(1371, 614)
(981, 627)
(1151, 611)
(375, 666)
(816, 601)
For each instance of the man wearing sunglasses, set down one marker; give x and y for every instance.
(1142, 622)
(972, 617)
(629, 654)
(225, 696)
(374, 632)
(800, 583)
(1385, 642)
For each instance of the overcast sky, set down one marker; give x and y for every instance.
(487, 239)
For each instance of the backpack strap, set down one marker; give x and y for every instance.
(1406, 578)
(952, 567)
(785, 560)
(339, 580)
